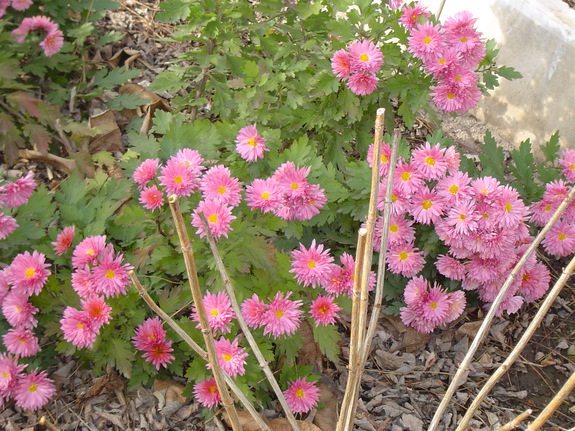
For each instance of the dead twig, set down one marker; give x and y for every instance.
(515, 422)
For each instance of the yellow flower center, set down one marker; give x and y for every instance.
(403, 255)
(5, 375)
(393, 228)
(547, 208)
(463, 39)
(222, 190)
(442, 61)
(323, 309)
(90, 252)
(33, 387)
(265, 195)
(433, 305)
(453, 189)
(311, 264)
(215, 312)
(294, 186)
(427, 40)
(227, 357)
(572, 167)
(279, 313)
(300, 393)
(30, 272)
(252, 142)
(212, 389)
(457, 78)
(213, 218)
(364, 57)
(80, 326)
(450, 96)
(22, 340)
(178, 179)
(562, 236)
(462, 217)
(485, 215)
(384, 159)
(18, 309)
(152, 337)
(426, 204)
(393, 199)
(508, 207)
(110, 274)
(429, 161)
(405, 176)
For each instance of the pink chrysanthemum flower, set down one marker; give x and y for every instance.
(412, 14)
(52, 43)
(412, 317)
(28, 272)
(219, 185)
(253, 311)
(450, 267)
(64, 240)
(560, 240)
(461, 78)
(148, 333)
(457, 302)
(365, 57)
(384, 155)
(311, 266)
(88, 250)
(191, 159)
(426, 41)
(146, 172)
(20, 5)
(430, 161)
(17, 193)
(405, 259)
(556, 190)
(407, 178)
(110, 276)
(292, 180)
(542, 211)
(98, 310)
(207, 394)
(7, 225)
(18, 311)
(33, 23)
(282, 316)
(21, 342)
(443, 64)
(415, 291)
(33, 390)
(463, 217)
(324, 310)
(567, 162)
(454, 188)
(250, 144)
(341, 64)
(4, 286)
(231, 356)
(151, 198)
(308, 205)
(159, 354)
(218, 215)
(400, 230)
(82, 282)
(218, 310)
(263, 195)
(301, 396)
(340, 280)
(453, 159)
(510, 209)
(427, 207)
(9, 372)
(78, 328)
(483, 270)
(362, 83)
(486, 188)
(435, 306)
(534, 282)
(178, 178)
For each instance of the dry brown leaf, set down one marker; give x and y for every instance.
(412, 340)
(124, 56)
(109, 137)
(470, 329)
(247, 421)
(282, 424)
(109, 383)
(309, 352)
(326, 418)
(147, 110)
(174, 393)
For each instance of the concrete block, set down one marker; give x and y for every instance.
(536, 37)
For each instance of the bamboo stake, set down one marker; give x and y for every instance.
(511, 425)
(464, 366)
(553, 405)
(195, 347)
(246, 330)
(504, 367)
(187, 252)
(376, 309)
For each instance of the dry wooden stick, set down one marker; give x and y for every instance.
(346, 416)
(504, 367)
(553, 405)
(376, 309)
(195, 347)
(464, 366)
(511, 425)
(186, 247)
(246, 330)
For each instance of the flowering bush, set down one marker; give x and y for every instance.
(280, 170)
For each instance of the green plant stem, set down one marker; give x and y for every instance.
(246, 330)
(195, 347)
(189, 261)
(464, 366)
(200, 88)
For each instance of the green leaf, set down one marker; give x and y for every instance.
(328, 337)
(108, 80)
(551, 147)
(127, 101)
(110, 37)
(492, 158)
(523, 168)
(167, 81)
(174, 10)
(121, 353)
(509, 73)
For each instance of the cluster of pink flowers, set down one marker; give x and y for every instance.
(150, 338)
(282, 316)
(99, 272)
(23, 278)
(450, 52)
(250, 145)
(560, 241)
(13, 195)
(481, 221)
(287, 194)
(429, 307)
(54, 39)
(358, 66)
